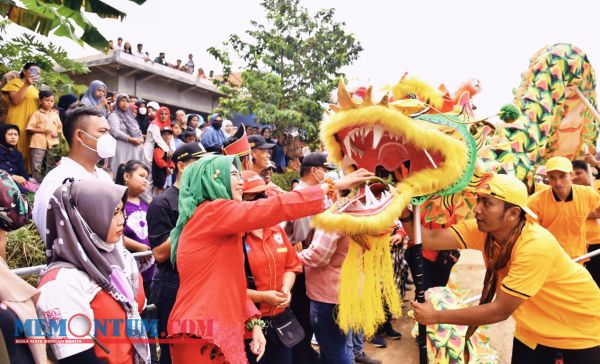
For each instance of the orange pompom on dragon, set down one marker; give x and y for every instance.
(427, 149)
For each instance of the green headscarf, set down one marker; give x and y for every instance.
(208, 179)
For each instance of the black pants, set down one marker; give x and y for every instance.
(593, 266)
(150, 315)
(275, 351)
(434, 274)
(522, 354)
(387, 325)
(163, 292)
(303, 352)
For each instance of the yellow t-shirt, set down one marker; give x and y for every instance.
(540, 187)
(566, 220)
(562, 302)
(19, 114)
(593, 225)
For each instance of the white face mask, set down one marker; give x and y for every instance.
(333, 175)
(106, 145)
(321, 180)
(142, 111)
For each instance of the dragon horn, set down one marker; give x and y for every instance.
(344, 98)
(367, 101)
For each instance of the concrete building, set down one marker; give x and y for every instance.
(150, 81)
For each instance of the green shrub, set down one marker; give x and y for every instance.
(284, 180)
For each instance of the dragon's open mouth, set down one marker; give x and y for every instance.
(413, 155)
(385, 153)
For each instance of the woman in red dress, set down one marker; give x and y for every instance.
(212, 311)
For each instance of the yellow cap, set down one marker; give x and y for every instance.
(509, 189)
(559, 164)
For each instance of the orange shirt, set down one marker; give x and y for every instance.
(43, 119)
(562, 301)
(566, 220)
(105, 307)
(593, 225)
(271, 257)
(210, 262)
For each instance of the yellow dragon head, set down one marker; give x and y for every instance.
(401, 139)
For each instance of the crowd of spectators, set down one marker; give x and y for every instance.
(114, 174)
(187, 66)
(113, 139)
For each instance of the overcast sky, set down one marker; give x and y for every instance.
(435, 40)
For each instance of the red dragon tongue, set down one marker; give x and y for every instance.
(390, 156)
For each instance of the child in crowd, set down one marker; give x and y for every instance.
(178, 138)
(189, 137)
(134, 175)
(44, 126)
(162, 165)
(11, 160)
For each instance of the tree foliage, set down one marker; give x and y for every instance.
(291, 64)
(65, 18)
(14, 53)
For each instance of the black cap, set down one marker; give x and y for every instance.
(140, 101)
(188, 151)
(167, 128)
(317, 159)
(259, 142)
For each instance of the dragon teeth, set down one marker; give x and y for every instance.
(377, 135)
(366, 133)
(370, 198)
(347, 146)
(430, 158)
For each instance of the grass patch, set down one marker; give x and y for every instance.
(25, 248)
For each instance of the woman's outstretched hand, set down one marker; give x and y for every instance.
(351, 179)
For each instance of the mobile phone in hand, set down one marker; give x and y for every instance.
(34, 71)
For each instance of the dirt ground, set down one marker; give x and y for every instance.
(470, 270)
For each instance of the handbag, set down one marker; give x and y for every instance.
(286, 325)
(288, 328)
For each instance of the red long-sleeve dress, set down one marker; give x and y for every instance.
(211, 302)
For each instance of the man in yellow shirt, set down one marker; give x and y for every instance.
(564, 208)
(582, 177)
(554, 301)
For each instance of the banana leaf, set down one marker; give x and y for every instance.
(64, 17)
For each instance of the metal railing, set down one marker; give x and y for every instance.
(36, 269)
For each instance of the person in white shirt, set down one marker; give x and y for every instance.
(141, 54)
(87, 133)
(190, 64)
(119, 45)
